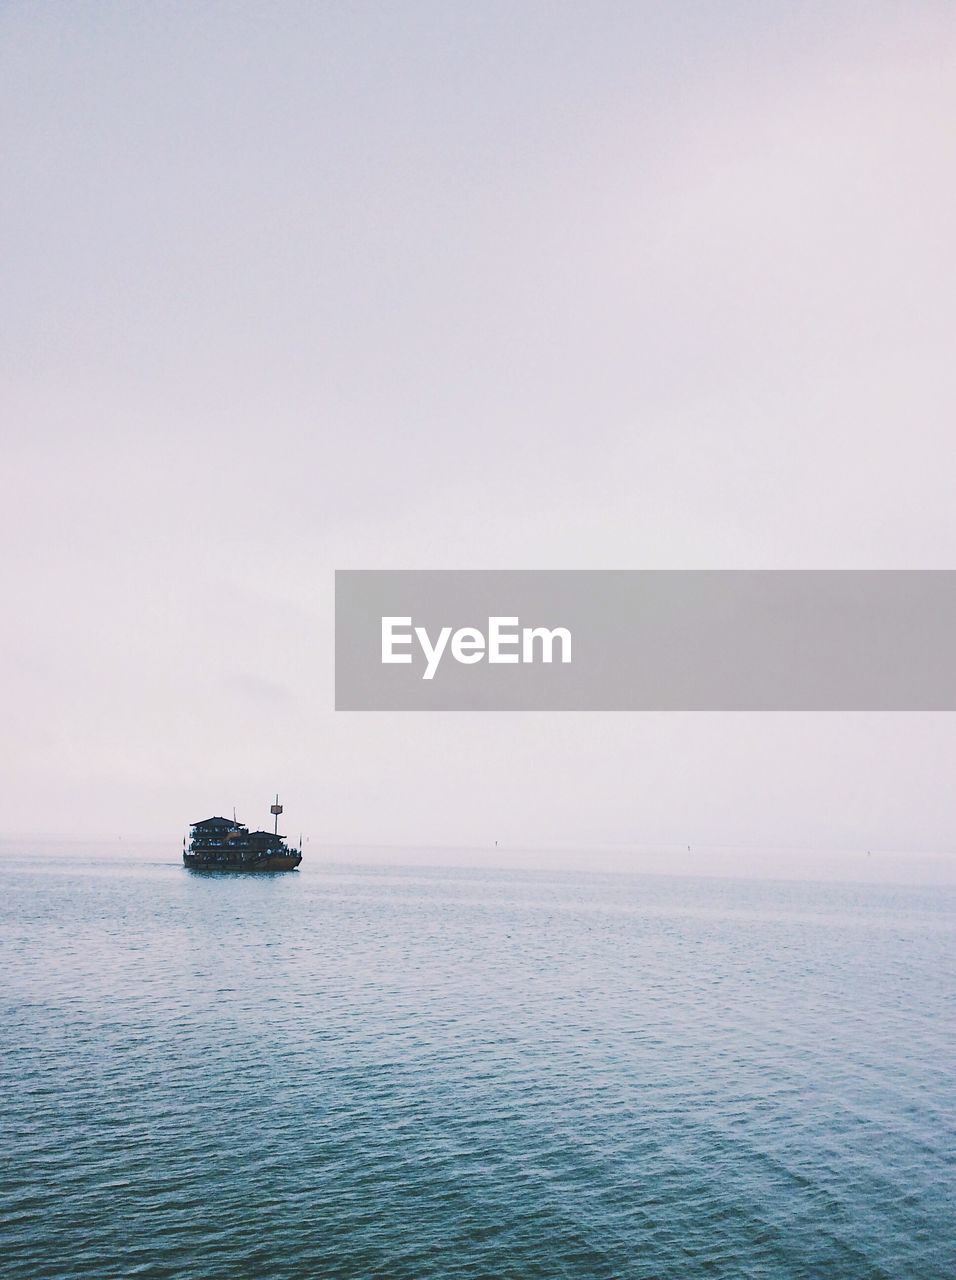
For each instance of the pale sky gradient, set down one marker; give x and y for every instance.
(291, 287)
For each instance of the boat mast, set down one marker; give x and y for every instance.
(276, 809)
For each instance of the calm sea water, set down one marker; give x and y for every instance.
(419, 1073)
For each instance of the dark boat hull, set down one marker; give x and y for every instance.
(277, 862)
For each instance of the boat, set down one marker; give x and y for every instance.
(216, 844)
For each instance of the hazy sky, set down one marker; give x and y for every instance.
(290, 287)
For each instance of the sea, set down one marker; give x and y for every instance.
(426, 1070)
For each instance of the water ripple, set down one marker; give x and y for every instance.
(348, 1073)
